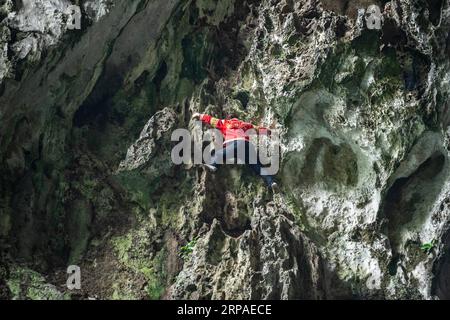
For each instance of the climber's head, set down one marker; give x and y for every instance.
(233, 123)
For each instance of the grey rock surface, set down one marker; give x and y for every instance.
(363, 114)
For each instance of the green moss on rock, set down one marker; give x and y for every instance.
(26, 284)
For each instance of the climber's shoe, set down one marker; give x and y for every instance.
(210, 167)
(275, 187)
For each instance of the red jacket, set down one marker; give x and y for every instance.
(233, 129)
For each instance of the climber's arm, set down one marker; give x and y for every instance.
(213, 122)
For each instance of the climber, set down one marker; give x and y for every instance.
(235, 133)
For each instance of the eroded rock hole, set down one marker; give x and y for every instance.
(410, 198)
(333, 166)
(231, 210)
(244, 98)
(435, 9)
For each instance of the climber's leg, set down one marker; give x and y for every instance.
(254, 163)
(268, 179)
(214, 161)
(220, 156)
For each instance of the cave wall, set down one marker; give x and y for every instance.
(86, 176)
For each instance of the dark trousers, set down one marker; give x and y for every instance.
(231, 151)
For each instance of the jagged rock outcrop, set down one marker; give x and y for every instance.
(143, 152)
(363, 116)
(270, 260)
(29, 27)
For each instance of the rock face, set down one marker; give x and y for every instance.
(270, 260)
(29, 27)
(86, 175)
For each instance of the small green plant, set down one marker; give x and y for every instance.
(186, 250)
(428, 247)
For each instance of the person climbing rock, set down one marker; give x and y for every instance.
(236, 138)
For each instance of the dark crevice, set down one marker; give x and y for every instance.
(225, 206)
(97, 104)
(435, 9)
(140, 82)
(409, 197)
(237, 231)
(110, 81)
(341, 27)
(234, 229)
(392, 34)
(160, 75)
(244, 98)
(17, 5)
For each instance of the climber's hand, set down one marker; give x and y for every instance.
(196, 116)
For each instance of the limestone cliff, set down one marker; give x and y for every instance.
(86, 177)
